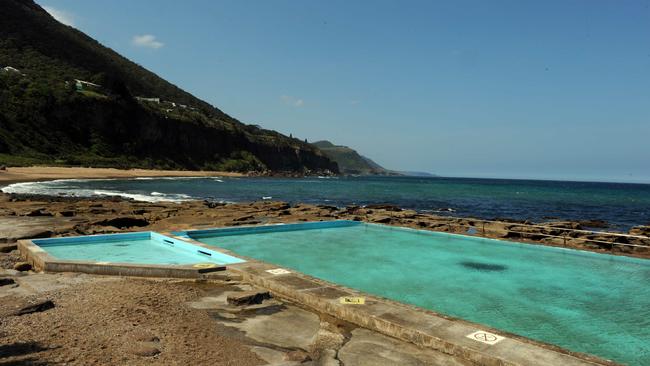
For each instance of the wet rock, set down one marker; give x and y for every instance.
(327, 207)
(601, 224)
(248, 297)
(22, 266)
(384, 207)
(35, 307)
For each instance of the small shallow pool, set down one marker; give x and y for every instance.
(140, 247)
(582, 301)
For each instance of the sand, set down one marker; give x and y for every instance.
(37, 173)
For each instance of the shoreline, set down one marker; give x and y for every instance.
(46, 173)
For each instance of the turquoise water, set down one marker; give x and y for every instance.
(585, 302)
(142, 248)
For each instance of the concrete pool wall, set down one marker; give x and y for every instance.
(33, 252)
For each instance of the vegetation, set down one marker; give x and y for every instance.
(350, 161)
(46, 117)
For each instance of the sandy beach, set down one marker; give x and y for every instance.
(36, 173)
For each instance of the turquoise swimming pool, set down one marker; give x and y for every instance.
(582, 301)
(139, 247)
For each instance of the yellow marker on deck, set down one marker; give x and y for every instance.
(353, 300)
(204, 265)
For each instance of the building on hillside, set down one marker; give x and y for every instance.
(152, 100)
(82, 85)
(11, 70)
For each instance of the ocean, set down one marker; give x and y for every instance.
(621, 205)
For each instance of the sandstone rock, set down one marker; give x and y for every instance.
(244, 218)
(382, 220)
(298, 356)
(144, 350)
(66, 213)
(22, 266)
(641, 230)
(248, 297)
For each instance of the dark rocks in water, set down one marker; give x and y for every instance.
(327, 207)
(213, 204)
(594, 223)
(386, 207)
(487, 267)
(124, 222)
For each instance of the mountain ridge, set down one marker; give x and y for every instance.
(73, 101)
(350, 161)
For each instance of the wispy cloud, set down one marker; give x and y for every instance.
(146, 41)
(354, 102)
(292, 101)
(60, 15)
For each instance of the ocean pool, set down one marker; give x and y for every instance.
(586, 302)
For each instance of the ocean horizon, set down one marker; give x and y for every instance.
(620, 205)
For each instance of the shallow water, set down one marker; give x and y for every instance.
(585, 302)
(622, 205)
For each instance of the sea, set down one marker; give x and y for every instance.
(621, 205)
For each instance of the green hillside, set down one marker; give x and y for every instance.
(47, 117)
(350, 161)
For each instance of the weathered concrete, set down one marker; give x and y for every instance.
(367, 348)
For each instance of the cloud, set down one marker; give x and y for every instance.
(60, 15)
(295, 102)
(355, 102)
(147, 41)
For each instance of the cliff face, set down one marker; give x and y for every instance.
(46, 117)
(350, 161)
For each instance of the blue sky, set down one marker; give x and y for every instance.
(513, 89)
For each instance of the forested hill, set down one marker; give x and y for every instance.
(350, 161)
(66, 99)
